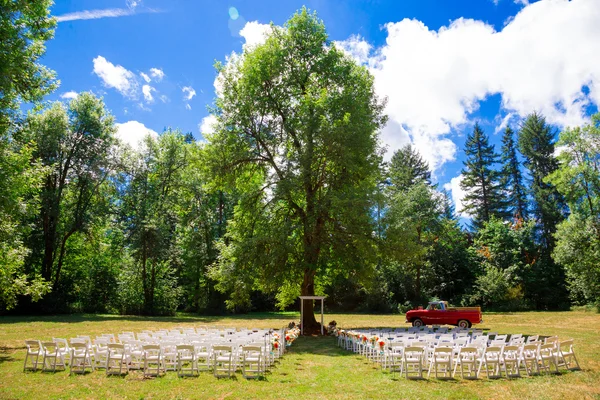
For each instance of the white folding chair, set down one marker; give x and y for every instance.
(413, 360)
(510, 361)
(222, 361)
(547, 358)
(252, 361)
(153, 361)
(441, 362)
(528, 359)
(467, 362)
(63, 347)
(116, 359)
(187, 364)
(490, 360)
(80, 358)
(52, 357)
(34, 351)
(565, 355)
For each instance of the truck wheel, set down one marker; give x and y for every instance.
(417, 323)
(463, 323)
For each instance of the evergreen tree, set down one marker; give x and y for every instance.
(511, 179)
(546, 281)
(483, 197)
(536, 143)
(407, 169)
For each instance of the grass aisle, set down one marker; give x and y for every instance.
(313, 368)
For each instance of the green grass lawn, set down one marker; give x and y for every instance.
(314, 368)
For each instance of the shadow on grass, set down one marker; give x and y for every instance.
(179, 318)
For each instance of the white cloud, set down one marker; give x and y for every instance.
(145, 77)
(356, 47)
(163, 98)
(434, 80)
(188, 107)
(458, 195)
(522, 2)
(133, 132)
(504, 123)
(147, 91)
(189, 92)
(116, 76)
(207, 124)
(104, 13)
(157, 74)
(132, 4)
(69, 95)
(254, 33)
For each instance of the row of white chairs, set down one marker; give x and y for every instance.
(188, 352)
(472, 355)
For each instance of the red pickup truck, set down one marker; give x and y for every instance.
(438, 313)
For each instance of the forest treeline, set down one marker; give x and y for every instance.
(89, 224)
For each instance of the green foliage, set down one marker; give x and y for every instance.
(506, 253)
(74, 143)
(511, 179)
(483, 198)
(547, 281)
(407, 168)
(296, 135)
(25, 26)
(578, 237)
(536, 142)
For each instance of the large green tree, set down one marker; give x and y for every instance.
(74, 143)
(150, 215)
(511, 179)
(578, 237)
(25, 26)
(297, 130)
(483, 198)
(547, 278)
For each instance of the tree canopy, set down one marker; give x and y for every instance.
(297, 130)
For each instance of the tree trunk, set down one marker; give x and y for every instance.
(309, 322)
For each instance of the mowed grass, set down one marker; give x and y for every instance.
(313, 368)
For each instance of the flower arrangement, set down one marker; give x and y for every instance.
(373, 339)
(381, 344)
(364, 338)
(291, 335)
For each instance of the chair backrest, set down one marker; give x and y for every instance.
(222, 348)
(257, 349)
(61, 343)
(116, 348)
(467, 352)
(33, 345)
(414, 350)
(546, 348)
(493, 352)
(185, 348)
(529, 350)
(147, 347)
(78, 346)
(510, 351)
(49, 347)
(442, 350)
(566, 345)
(532, 338)
(551, 340)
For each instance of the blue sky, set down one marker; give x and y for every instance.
(443, 65)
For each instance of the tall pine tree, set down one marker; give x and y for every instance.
(483, 198)
(536, 143)
(545, 285)
(407, 168)
(511, 179)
